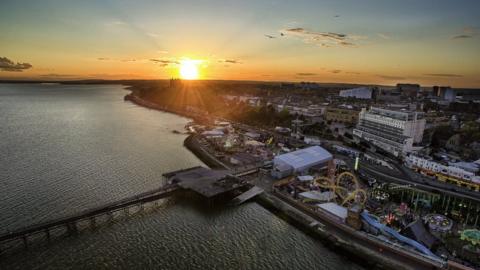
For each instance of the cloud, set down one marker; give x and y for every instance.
(229, 61)
(153, 35)
(470, 29)
(353, 72)
(444, 75)
(468, 32)
(116, 60)
(56, 75)
(306, 74)
(8, 65)
(462, 36)
(335, 71)
(384, 36)
(389, 77)
(115, 23)
(324, 39)
(164, 62)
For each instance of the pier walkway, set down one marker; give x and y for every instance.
(206, 182)
(247, 195)
(70, 222)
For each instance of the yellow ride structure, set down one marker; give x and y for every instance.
(345, 186)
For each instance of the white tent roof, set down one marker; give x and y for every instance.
(318, 196)
(213, 132)
(254, 143)
(334, 209)
(252, 134)
(305, 178)
(305, 157)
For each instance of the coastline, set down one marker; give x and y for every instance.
(281, 206)
(134, 98)
(192, 144)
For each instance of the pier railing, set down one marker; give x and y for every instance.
(70, 222)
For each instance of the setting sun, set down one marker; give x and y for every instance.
(189, 69)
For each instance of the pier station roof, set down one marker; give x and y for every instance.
(206, 182)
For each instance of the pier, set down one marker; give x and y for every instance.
(205, 182)
(247, 195)
(70, 222)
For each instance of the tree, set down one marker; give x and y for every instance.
(441, 135)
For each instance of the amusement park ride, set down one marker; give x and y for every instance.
(374, 213)
(345, 186)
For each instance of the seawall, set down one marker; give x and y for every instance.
(192, 144)
(316, 229)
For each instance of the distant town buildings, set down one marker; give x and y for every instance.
(309, 86)
(343, 115)
(249, 100)
(175, 83)
(409, 89)
(445, 93)
(301, 85)
(389, 95)
(312, 113)
(359, 93)
(394, 131)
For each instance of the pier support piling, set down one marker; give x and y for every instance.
(93, 222)
(25, 241)
(110, 216)
(47, 234)
(72, 228)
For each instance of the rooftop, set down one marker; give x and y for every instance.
(305, 157)
(206, 182)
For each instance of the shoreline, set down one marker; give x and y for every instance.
(276, 204)
(191, 143)
(132, 97)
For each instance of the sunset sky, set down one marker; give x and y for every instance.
(431, 42)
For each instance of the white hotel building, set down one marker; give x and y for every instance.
(394, 131)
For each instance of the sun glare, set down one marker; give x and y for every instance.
(189, 69)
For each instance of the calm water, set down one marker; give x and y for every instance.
(67, 148)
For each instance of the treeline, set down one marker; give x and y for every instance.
(468, 134)
(207, 97)
(264, 115)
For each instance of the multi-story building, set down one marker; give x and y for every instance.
(359, 93)
(394, 131)
(313, 113)
(445, 173)
(409, 89)
(343, 115)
